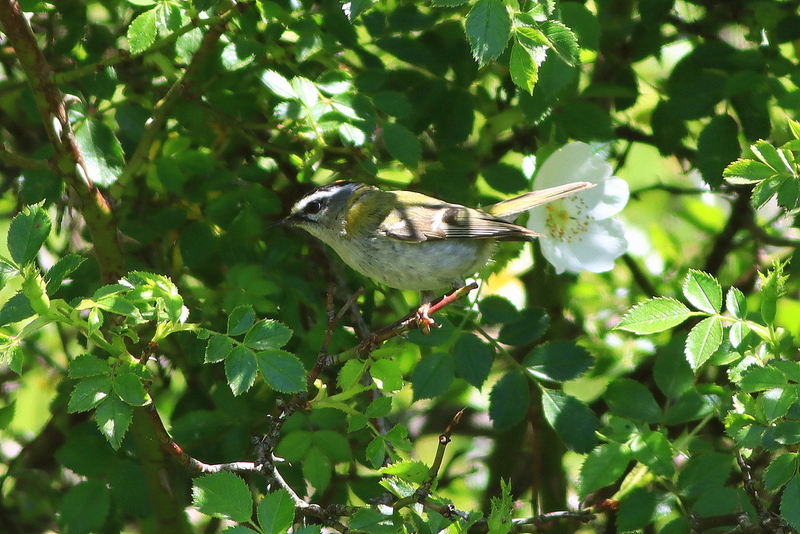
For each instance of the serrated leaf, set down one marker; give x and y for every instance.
(653, 450)
(473, 359)
(28, 231)
(218, 348)
(85, 365)
(433, 375)
(61, 270)
(747, 171)
(509, 400)
(88, 393)
(762, 378)
(130, 389)
(240, 369)
(654, 315)
(523, 68)
(388, 373)
(267, 334)
(780, 471)
(142, 31)
(558, 361)
(736, 303)
(282, 370)
(488, 27)
(562, 41)
(15, 309)
(703, 291)
(790, 510)
(602, 467)
(276, 512)
(771, 156)
(703, 340)
(241, 320)
(632, 400)
(113, 418)
(102, 153)
(410, 471)
(278, 84)
(223, 495)
(572, 420)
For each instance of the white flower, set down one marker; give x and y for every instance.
(581, 236)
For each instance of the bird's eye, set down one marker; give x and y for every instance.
(313, 207)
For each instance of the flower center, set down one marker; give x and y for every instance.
(567, 220)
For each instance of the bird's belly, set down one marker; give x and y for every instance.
(416, 266)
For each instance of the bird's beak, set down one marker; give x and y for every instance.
(286, 221)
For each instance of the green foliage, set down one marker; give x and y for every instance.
(148, 310)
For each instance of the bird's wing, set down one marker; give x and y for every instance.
(449, 221)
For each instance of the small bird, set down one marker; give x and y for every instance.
(408, 240)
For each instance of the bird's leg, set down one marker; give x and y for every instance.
(425, 321)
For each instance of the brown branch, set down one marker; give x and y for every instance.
(67, 161)
(421, 495)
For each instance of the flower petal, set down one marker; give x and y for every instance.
(594, 251)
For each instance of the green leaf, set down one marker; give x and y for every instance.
(509, 399)
(102, 153)
(240, 369)
(790, 510)
(473, 359)
(653, 450)
(61, 270)
(562, 41)
(703, 291)
(14, 357)
(775, 403)
(223, 495)
(703, 340)
(85, 507)
(388, 373)
(631, 399)
(295, 445)
(572, 420)
(529, 326)
(433, 375)
(130, 389)
(334, 444)
(602, 467)
(278, 85)
(89, 393)
(780, 471)
(380, 407)
(142, 31)
(531, 39)
(413, 472)
(488, 27)
(282, 370)
(267, 334)
(88, 365)
(523, 68)
(736, 303)
(17, 308)
(717, 147)
(306, 91)
(501, 513)
(7, 414)
(496, 309)
(28, 231)
(558, 361)
(218, 348)
(637, 510)
(672, 372)
(113, 418)
(375, 454)
(276, 512)
(317, 469)
(654, 315)
(762, 378)
(747, 171)
(402, 144)
(241, 320)
(772, 157)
